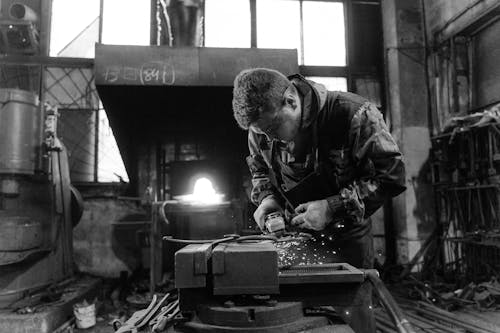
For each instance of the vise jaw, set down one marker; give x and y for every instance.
(229, 268)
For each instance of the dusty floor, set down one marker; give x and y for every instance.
(101, 327)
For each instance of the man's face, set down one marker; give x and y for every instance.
(283, 122)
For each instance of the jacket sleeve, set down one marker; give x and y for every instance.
(380, 164)
(259, 170)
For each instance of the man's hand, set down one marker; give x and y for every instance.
(313, 215)
(267, 206)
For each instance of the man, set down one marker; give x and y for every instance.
(326, 156)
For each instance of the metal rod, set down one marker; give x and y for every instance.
(101, 11)
(301, 8)
(395, 313)
(435, 312)
(96, 147)
(253, 22)
(445, 328)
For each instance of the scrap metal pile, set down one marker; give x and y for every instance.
(162, 313)
(465, 165)
(427, 318)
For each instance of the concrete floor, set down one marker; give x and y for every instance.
(100, 327)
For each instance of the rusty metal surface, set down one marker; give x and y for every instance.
(19, 233)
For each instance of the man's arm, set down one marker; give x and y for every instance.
(263, 191)
(261, 182)
(376, 153)
(382, 175)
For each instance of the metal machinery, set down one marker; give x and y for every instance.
(223, 287)
(466, 178)
(19, 33)
(239, 284)
(235, 284)
(36, 217)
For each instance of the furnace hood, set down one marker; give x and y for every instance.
(155, 94)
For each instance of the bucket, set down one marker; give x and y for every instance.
(84, 314)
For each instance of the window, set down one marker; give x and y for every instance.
(110, 163)
(74, 28)
(331, 83)
(324, 33)
(278, 24)
(126, 22)
(227, 23)
(75, 25)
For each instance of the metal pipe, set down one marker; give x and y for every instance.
(457, 16)
(442, 327)
(395, 313)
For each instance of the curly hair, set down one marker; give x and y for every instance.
(255, 91)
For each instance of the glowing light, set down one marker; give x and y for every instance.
(203, 193)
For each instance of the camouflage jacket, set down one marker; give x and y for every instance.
(366, 163)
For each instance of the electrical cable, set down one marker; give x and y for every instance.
(226, 239)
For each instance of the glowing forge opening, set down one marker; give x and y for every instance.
(203, 193)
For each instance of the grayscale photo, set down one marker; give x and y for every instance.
(273, 166)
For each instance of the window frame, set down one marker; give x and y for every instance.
(348, 71)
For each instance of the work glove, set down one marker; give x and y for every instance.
(267, 206)
(313, 215)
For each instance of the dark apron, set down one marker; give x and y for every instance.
(314, 186)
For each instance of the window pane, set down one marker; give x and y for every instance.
(74, 28)
(126, 22)
(227, 23)
(278, 24)
(331, 83)
(110, 163)
(324, 35)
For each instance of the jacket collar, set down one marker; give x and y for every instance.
(312, 96)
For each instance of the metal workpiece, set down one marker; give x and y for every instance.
(324, 273)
